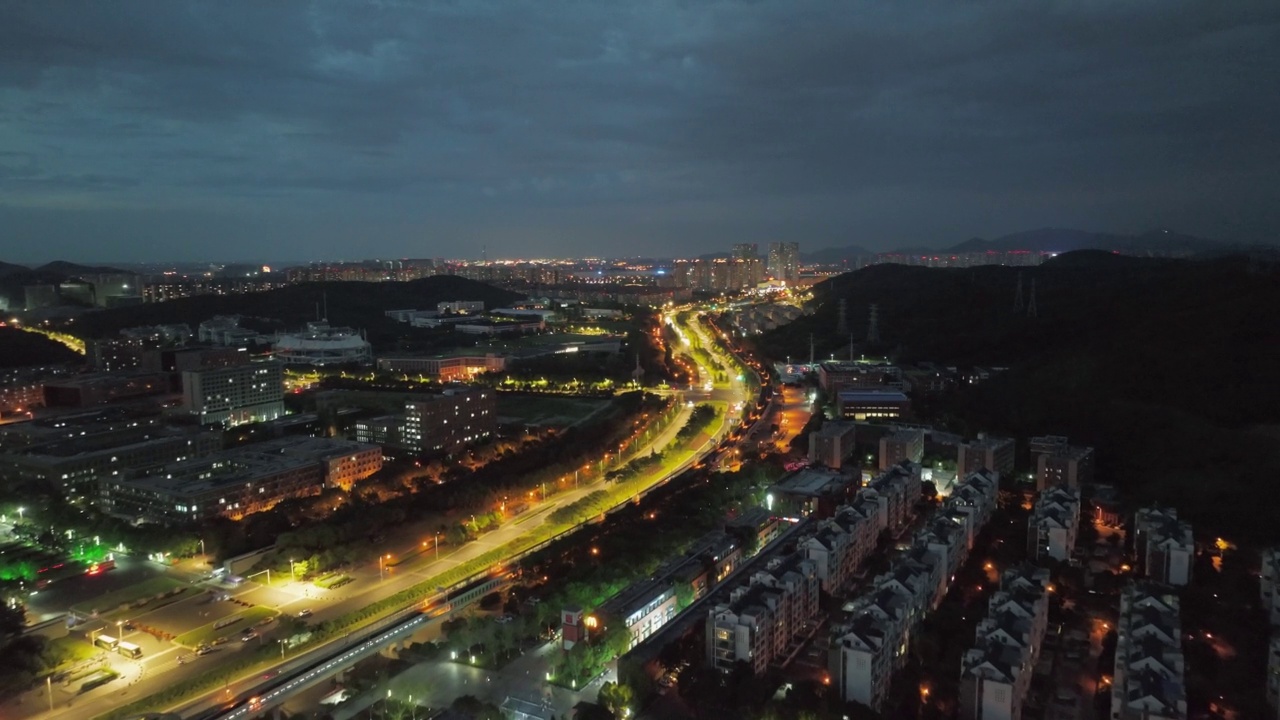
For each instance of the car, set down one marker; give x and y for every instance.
(248, 636)
(304, 613)
(203, 650)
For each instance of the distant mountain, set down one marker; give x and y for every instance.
(360, 305)
(10, 268)
(70, 269)
(1158, 243)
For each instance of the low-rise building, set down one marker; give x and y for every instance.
(836, 376)
(1054, 522)
(449, 367)
(809, 491)
(642, 608)
(77, 464)
(1147, 683)
(1164, 546)
(861, 405)
(239, 482)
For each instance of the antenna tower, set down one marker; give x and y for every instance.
(873, 327)
(810, 348)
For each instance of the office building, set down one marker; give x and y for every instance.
(239, 482)
(234, 395)
(837, 375)
(448, 421)
(225, 330)
(21, 395)
(1070, 465)
(76, 456)
(995, 674)
(784, 262)
(118, 354)
(809, 491)
(1163, 545)
(1147, 683)
(862, 405)
(461, 307)
(643, 608)
(1054, 522)
(460, 366)
(832, 444)
(902, 445)
(84, 391)
(986, 453)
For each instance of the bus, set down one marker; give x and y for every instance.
(106, 642)
(129, 650)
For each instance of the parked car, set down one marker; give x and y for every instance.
(304, 613)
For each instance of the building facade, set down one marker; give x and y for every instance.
(903, 445)
(986, 453)
(234, 395)
(1147, 683)
(1164, 546)
(832, 444)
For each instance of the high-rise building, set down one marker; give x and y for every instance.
(1071, 466)
(832, 445)
(784, 261)
(448, 421)
(904, 444)
(234, 395)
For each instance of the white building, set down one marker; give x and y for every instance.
(1054, 523)
(1164, 545)
(320, 345)
(996, 673)
(1147, 682)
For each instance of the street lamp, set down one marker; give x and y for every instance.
(381, 564)
(437, 545)
(292, 576)
(20, 511)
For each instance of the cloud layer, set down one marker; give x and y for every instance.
(291, 130)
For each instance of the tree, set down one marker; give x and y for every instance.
(616, 697)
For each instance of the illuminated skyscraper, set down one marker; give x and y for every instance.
(784, 261)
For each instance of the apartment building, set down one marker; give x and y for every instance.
(763, 615)
(1147, 683)
(986, 453)
(1071, 466)
(1163, 545)
(832, 444)
(996, 673)
(1054, 522)
(1270, 584)
(902, 445)
(864, 652)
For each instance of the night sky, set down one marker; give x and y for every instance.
(159, 129)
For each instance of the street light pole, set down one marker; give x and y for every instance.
(437, 545)
(48, 683)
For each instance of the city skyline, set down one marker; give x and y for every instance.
(287, 131)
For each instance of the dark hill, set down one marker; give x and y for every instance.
(836, 255)
(10, 268)
(356, 304)
(1166, 366)
(70, 269)
(21, 348)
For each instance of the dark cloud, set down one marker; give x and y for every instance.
(340, 129)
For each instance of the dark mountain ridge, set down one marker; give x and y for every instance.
(1166, 366)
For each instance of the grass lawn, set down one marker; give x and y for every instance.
(71, 649)
(547, 410)
(112, 601)
(206, 634)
